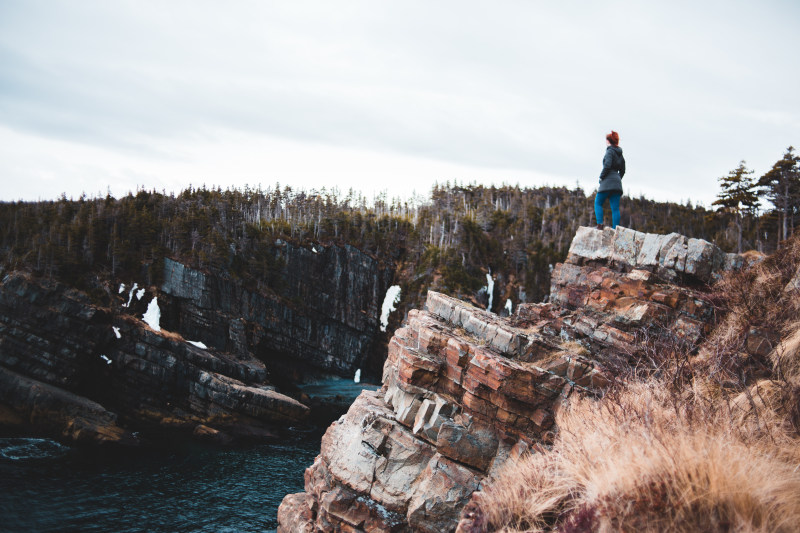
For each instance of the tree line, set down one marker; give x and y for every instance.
(448, 241)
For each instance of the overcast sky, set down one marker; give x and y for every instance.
(391, 95)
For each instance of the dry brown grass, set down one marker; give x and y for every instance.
(574, 347)
(755, 297)
(647, 460)
(707, 442)
(785, 358)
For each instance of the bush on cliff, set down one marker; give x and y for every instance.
(646, 459)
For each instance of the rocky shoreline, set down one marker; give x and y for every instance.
(215, 365)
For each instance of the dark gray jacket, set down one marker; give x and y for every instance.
(613, 170)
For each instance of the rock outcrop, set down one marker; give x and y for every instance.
(73, 369)
(464, 390)
(77, 371)
(321, 314)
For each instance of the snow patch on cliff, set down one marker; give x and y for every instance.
(489, 289)
(389, 302)
(116, 332)
(509, 306)
(153, 315)
(130, 296)
(357, 377)
(198, 344)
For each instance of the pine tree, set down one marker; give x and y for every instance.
(782, 186)
(738, 196)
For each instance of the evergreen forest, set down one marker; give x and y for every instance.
(448, 242)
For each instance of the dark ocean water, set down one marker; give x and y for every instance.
(45, 486)
(183, 487)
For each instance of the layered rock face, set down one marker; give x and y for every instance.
(322, 314)
(71, 369)
(465, 390)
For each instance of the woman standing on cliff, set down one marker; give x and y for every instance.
(610, 181)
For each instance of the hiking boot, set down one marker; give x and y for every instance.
(600, 226)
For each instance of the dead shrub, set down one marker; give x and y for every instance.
(645, 459)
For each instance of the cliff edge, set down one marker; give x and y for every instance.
(465, 390)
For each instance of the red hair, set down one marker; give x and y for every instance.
(613, 138)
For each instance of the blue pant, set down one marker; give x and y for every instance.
(613, 199)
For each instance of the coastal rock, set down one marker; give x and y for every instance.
(73, 370)
(321, 314)
(465, 390)
(213, 369)
(49, 409)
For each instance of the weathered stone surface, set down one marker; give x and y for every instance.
(295, 509)
(485, 325)
(464, 390)
(626, 245)
(668, 255)
(591, 244)
(475, 446)
(446, 487)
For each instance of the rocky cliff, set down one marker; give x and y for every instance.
(464, 390)
(321, 314)
(77, 370)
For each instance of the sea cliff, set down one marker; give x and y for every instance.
(212, 364)
(464, 390)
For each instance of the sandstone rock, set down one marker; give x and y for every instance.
(345, 508)
(591, 244)
(626, 246)
(445, 489)
(475, 446)
(295, 510)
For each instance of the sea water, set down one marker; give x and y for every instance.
(179, 486)
(46, 486)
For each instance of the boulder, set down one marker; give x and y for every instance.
(668, 255)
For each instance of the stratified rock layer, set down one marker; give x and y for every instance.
(72, 369)
(465, 390)
(64, 371)
(321, 313)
